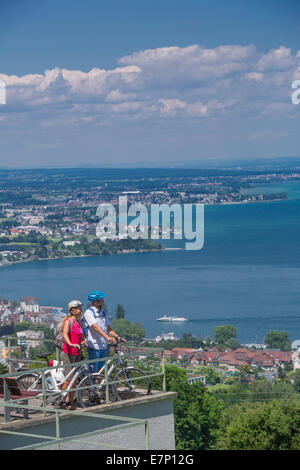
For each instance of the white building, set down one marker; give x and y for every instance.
(30, 338)
(296, 360)
(166, 337)
(296, 345)
(71, 242)
(30, 304)
(199, 378)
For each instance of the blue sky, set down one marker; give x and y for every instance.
(99, 82)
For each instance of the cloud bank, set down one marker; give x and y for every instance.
(190, 83)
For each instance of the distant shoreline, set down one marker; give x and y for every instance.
(249, 202)
(138, 251)
(124, 252)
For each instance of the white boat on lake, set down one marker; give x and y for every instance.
(172, 319)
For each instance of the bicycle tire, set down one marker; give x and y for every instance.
(138, 387)
(25, 382)
(87, 397)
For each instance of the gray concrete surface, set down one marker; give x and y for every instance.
(156, 408)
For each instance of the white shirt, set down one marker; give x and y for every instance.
(94, 339)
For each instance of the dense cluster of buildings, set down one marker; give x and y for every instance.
(267, 359)
(66, 213)
(28, 309)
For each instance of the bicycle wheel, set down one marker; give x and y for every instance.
(26, 382)
(97, 395)
(134, 383)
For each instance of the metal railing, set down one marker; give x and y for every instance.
(50, 440)
(129, 422)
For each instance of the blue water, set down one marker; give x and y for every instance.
(247, 274)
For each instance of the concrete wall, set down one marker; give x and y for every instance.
(158, 410)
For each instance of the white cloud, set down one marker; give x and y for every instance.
(268, 134)
(117, 96)
(276, 59)
(169, 82)
(169, 106)
(255, 76)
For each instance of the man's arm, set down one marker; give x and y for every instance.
(114, 334)
(101, 332)
(90, 320)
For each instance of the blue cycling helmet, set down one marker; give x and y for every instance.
(96, 295)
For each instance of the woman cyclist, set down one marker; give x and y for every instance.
(74, 339)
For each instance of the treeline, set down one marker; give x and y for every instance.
(261, 416)
(95, 246)
(270, 197)
(32, 353)
(41, 246)
(225, 336)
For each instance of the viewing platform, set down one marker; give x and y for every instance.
(137, 418)
(138, 423)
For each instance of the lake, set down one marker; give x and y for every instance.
(247, 274)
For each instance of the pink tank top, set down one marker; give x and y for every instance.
(75, 336)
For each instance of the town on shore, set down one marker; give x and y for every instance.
(47, 214)
(235, 389)
(32, 322)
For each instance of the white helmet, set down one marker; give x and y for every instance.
(74, 303)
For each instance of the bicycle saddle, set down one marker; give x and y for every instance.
(44, 355)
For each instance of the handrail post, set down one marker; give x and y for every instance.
(106, 382)
(44, 392)
(9, 355)
(163, 368)
(57, 429)
(147, 435)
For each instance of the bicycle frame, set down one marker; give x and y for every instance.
(72, 376)
(111, 365)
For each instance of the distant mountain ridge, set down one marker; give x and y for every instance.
(229, 164)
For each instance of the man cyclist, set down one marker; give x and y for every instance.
(99, 332)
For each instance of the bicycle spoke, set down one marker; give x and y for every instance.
(26, 382)
(95, 395)
(133, 383)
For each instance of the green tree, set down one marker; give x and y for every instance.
(296, 380)
(130, 331)
(211, 375)
(237, 392)
(265, 426)
(196, 410)
(41, 251)
(244, 371)
(261, 389)
(120, 312)
(189, 341)
(226, 336)
(278, 340)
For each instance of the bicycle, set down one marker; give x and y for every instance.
(55, 378)
(128, 381)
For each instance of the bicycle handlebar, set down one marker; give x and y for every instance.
(118, 341)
